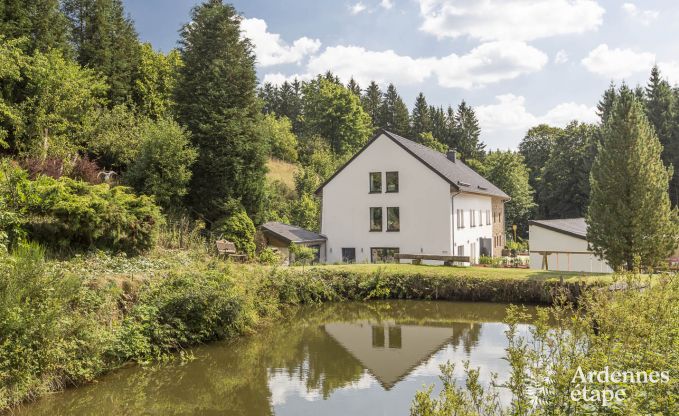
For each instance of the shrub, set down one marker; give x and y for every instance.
(269, 256)
(65, 213)
(302, 254)
(239, 229)
(163, 166)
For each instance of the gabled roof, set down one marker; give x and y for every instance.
(457, 174)
(292, 233)
(575, 227)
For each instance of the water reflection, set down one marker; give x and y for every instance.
(349, 358)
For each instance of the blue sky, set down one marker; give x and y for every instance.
(518, 62)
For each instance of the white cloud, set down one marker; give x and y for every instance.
(670, 71)
(509, 19)
(644, 16)
(561, 57)
(617, 63)
(486, 64)
(387, 4)
(357, 8)
(510, 114)
(276, 78)
(271, 49)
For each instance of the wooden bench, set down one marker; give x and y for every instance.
(228, 249)
(447, 260)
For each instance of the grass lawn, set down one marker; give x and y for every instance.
(475, 272)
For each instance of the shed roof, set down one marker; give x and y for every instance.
(575, 227)
(457, 173)
(292, 233)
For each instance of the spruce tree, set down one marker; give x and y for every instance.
(661, 107)
(371, 101)
(421, 119)
(353, 86)
(41, 22)
(605, 105)
(629, 216)
(217, 102)
(105, 39)
(467, 133)
(393, 113)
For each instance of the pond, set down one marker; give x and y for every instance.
(335, 359)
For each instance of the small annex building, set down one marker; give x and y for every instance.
(562, 245)
(279, 236)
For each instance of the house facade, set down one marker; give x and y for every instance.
(397, 196)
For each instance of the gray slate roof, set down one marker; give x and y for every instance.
(457, 173)
(576, 227)
(291, 233)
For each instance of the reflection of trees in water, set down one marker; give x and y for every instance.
(232, 378)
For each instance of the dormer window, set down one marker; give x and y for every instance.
(392, 182)
(375, 182)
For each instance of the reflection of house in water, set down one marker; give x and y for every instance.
(388, 350)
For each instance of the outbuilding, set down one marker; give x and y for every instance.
(562, 245)
(279, 236)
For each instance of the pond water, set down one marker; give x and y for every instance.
(334, 359)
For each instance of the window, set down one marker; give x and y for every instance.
(383, 254)
(375, 182)
(472, 218)
(392, 181)
(460, 250)
(395, 337)
(378, 336)
(480, 218)
(393, 219)
(487, 217)
(376, 219)
(460, 218)
(349, 255)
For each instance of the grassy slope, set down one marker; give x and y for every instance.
(281, 171)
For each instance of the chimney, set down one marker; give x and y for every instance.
(452, 155)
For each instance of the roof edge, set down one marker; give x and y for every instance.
(556, 229)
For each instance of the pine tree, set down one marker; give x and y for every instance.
(605, 105)
(371, 102)
(438, 123)
(393, 113)
(41, 22)
(353, 86)
(420, 119)
(106, 40)
(629, 216)
(661, 107)
(217, 102)
(467, 133)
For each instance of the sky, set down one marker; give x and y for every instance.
(519, 63)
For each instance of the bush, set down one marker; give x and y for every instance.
(64, 213)
(239, 229)
(269, 256)
(163, 166)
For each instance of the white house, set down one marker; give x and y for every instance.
(562, 245)
(398, 196)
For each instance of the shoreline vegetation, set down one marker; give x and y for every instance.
(69, 321)
(66, 322)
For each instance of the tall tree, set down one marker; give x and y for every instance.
(155, 82)
(420, 119)
(371, 101)
(217, 102)
(535, 148)
(353, 86)
(467, 133)
(105, 39)
(661, 107)
(41, 22)
(438, 123)
(334, 113)
(393, 113)
(629, 215)
(289, 104)
(564, 187)
(605, 105)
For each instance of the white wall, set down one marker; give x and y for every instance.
(423, 198)
(542, 239)
(469, 235)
